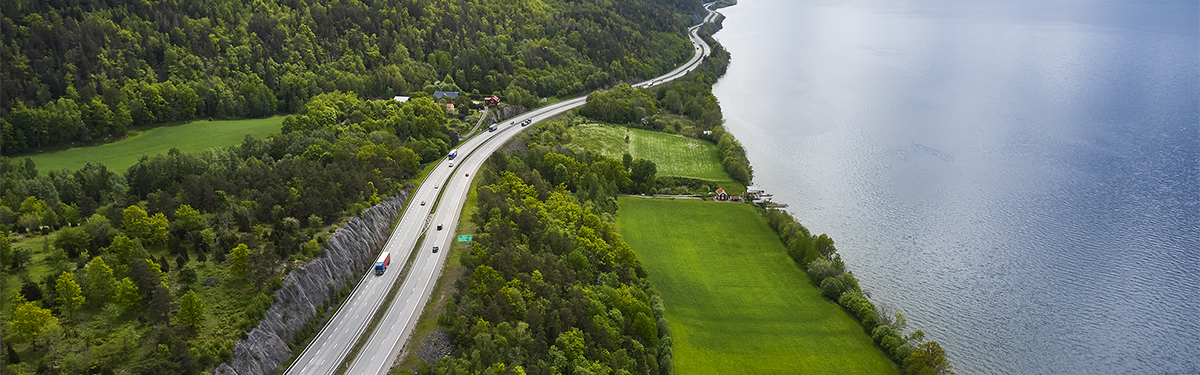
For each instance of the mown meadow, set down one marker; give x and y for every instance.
(191, 137)
(674, 155)
(736, 303)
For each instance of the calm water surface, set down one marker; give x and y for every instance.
(1021, 178)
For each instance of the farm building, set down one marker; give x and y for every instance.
(721, 195)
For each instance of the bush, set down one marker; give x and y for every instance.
(863, 309)
(820, 269)
(832, 288)
(188, 276)
(849, 282)
(257, 308)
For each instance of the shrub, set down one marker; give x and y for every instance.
(863, 309)
(820, 269)
(832, 288)
(188, 276)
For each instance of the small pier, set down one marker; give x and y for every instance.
(758, 196)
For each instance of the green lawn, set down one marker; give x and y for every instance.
(36, 270)
(196, 136)
(675, 155)
(735, 302)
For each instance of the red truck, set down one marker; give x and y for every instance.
(384, 260)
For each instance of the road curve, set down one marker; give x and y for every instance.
(446, 188)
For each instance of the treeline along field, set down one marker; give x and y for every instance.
(193, 137)
(819, 257)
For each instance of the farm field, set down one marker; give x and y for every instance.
(192, 137)
(736, 302)
(675, 155)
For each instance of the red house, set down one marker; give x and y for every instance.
(491, 101)
(721, 195)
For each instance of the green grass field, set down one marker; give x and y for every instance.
(735, 302)
(675, 155)
(196, 136)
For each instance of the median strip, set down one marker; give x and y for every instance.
(378, 316)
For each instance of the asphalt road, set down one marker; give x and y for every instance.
(447, 187)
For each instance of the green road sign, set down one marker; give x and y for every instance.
(464, 238)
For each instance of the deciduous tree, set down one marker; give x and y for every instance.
(136, 223)
(642, 172)
(67, 293)
(127, 294)
(100, 281)
(159, 228)
(928, 359)
(189, 219)
(6, 251)
(239, 258)
(71, 214)
(191, 309)
(127, 249)
(28, 320)
(73, 240)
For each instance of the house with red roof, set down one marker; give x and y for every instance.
(721, 195)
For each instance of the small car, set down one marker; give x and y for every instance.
(422, 203)
(451, 164)
(439, 227)
(435, 248)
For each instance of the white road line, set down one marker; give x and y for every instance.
(366, 297)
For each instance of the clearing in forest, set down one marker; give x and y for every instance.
(675, 155)
(736, 302)
(192, 137)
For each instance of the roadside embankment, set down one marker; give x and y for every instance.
(309, 288)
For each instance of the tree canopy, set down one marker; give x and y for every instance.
(86, 72)
(551, 286)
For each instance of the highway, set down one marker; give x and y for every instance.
(446, 188)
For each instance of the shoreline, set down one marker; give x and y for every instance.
(887, 330)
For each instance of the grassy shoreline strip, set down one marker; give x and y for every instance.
(735, 301)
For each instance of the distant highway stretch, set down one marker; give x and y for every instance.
(418, 230)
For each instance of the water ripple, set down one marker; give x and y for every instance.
(1026, 191)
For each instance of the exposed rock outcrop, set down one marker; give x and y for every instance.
(502, 113)
(438, 345)
(347, 254)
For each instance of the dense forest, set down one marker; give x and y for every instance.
(115, 283)
(85, 72)
(552, 288)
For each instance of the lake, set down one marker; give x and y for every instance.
(1020, 178)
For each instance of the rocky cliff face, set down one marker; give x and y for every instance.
(503, 113)
(348, 253)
